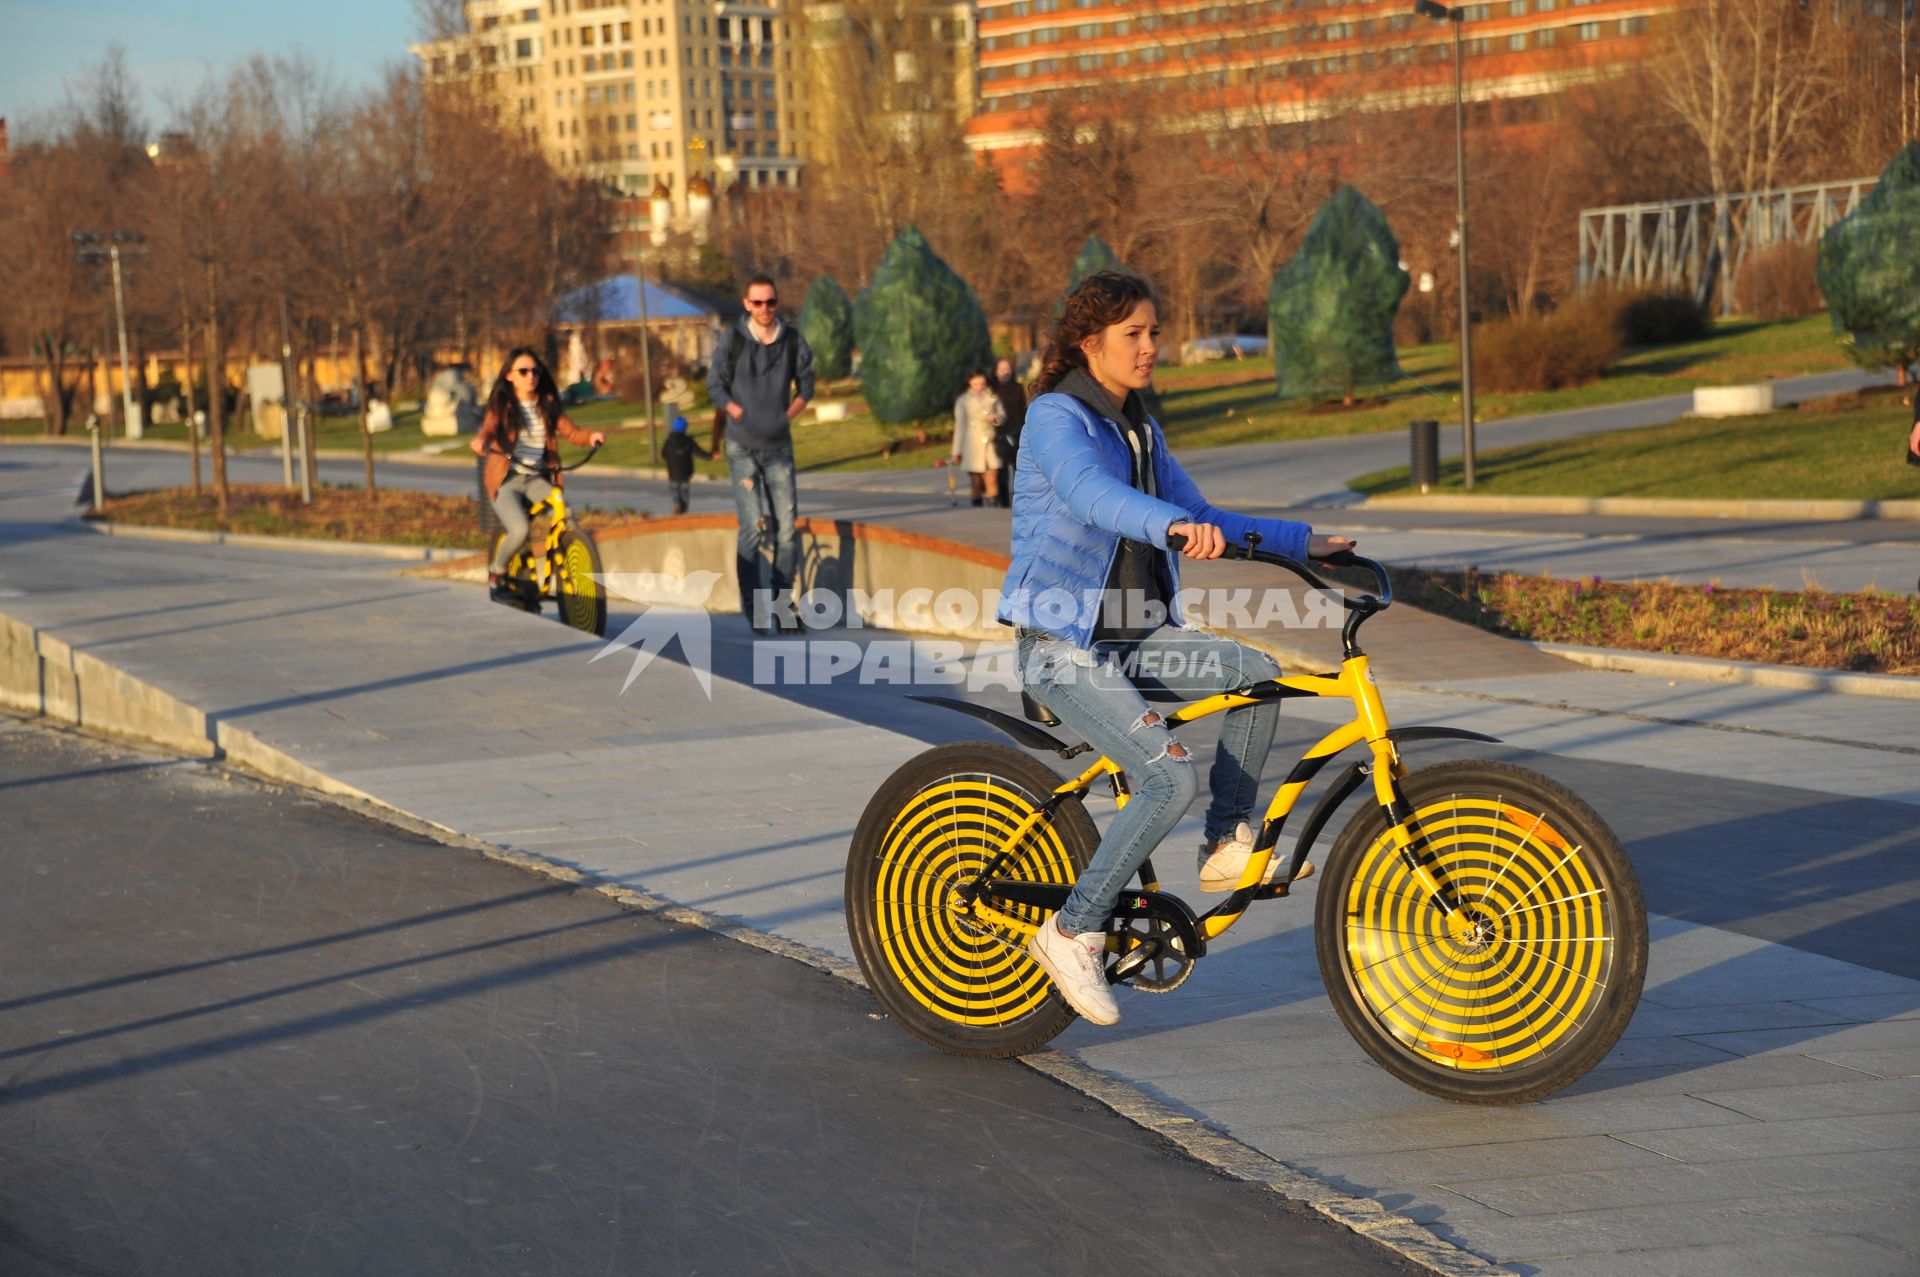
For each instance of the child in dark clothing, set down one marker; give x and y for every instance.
(678, 451)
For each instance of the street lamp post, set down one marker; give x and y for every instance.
(1457, 17)
(129, 411)
(646, 357)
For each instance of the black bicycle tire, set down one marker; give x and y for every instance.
(955, 969)
(1535, 1005)
(579, 605)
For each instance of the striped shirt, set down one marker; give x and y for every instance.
(530, 450)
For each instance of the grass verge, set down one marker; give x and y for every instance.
(1849, 447)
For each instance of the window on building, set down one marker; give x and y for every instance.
(726, 55)
(626, 58)
(1589, 30)
(770, 121)
(626, 31)
(748, 148)
(529, 15)
(626, 91)
(586, 36)
(723, 27)
(1544, 38)
(633, 124)
(766, 90)
(1633, 26)
(523, 48)
(593, 95)
(1517, 42)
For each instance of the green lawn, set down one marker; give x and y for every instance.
(1207, 405)
(1844, 453)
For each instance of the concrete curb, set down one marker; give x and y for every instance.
(1710, 670)
(312, 545)
(79, 689)
(1653, 507)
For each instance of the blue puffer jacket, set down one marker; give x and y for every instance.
(1072, 503)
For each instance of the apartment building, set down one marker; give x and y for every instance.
(898, 69)
(664, 98)
(1283, 58)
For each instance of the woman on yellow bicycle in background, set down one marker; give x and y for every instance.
(518, 438)
(1091, 593)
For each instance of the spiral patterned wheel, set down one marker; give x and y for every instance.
(1533, 984)
(951, 977)
(576, 584)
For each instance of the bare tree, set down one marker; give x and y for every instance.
(1750, 79)
(88, 172)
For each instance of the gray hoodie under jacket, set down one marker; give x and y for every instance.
(765, 381)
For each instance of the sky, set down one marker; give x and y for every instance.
(175, 44)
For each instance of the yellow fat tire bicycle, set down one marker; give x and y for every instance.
(564, 567)
(1479, 929)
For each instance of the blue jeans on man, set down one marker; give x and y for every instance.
(763, 496)
(1100, 693)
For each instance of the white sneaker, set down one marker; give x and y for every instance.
(1074, 965)
(1222, 864)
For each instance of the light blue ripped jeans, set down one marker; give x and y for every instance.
(1098, 694)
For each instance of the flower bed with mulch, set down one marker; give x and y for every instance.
(1869, 632)
(397, 517)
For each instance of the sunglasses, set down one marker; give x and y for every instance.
(758, 302)
(522, 372)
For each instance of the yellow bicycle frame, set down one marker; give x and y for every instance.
(1369, 724)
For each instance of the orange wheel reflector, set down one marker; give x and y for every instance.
(1459, 1051)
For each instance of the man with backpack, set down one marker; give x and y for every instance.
(760, 380)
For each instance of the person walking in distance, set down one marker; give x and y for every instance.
(760, 380)
(1093, 592)
(1013, 413)
(517, 441)
(976, 419)
(677, 452)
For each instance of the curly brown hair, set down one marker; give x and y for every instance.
(1096, 302)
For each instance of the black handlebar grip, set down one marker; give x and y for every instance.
(1176, 541)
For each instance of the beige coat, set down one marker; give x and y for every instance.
(975, 418)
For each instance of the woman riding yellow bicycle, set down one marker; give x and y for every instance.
(1091, 595)
(518, 441)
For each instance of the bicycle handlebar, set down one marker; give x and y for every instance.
(1368, 603)
(583, 461)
